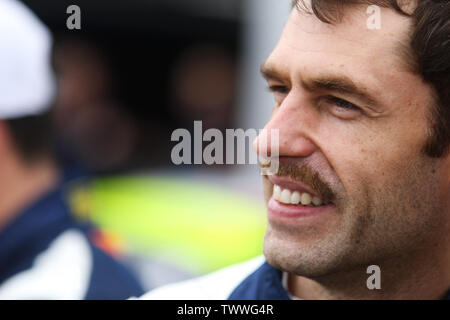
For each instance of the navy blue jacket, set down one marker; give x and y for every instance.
(46, 254)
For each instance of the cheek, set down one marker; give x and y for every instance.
(365, 165)
(377, 148)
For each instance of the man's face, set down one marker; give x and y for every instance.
(352, 123)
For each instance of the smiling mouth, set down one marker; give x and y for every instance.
(294, 197)
(296, 193)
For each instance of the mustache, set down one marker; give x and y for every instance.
(306, 175)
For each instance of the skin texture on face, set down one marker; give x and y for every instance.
(390, 200)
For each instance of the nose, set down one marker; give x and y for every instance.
(293, 121)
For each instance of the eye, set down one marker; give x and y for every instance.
(279, 89)
(343, 104)
(279, 92)
(342, 108)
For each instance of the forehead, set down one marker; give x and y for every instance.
(372, 58)
(352, 36)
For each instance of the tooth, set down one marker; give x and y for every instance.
(276, 192)
(295, 197)
(317, 201)
(306, 199)
(264, 161)
(285, 196)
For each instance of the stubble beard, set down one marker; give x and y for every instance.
(372, 225)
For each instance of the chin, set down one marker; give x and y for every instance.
(311, 260)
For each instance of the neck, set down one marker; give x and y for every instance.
(420, 275)
(21, 184)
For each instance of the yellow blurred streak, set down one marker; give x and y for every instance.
(195, 226)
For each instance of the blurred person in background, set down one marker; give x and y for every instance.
(114, 114)
(203, 87)
(95, 135)
(44, 252)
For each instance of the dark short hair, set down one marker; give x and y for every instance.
(32, 136)
(429, 48)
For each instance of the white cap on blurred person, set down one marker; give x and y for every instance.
(27, 83)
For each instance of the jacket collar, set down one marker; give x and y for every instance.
(31, 231)
(263, 284)
(266, 284)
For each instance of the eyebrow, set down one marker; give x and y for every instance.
(269, 72)
(332, 82)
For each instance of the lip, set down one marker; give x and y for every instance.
(277, 210)
(286, 183)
